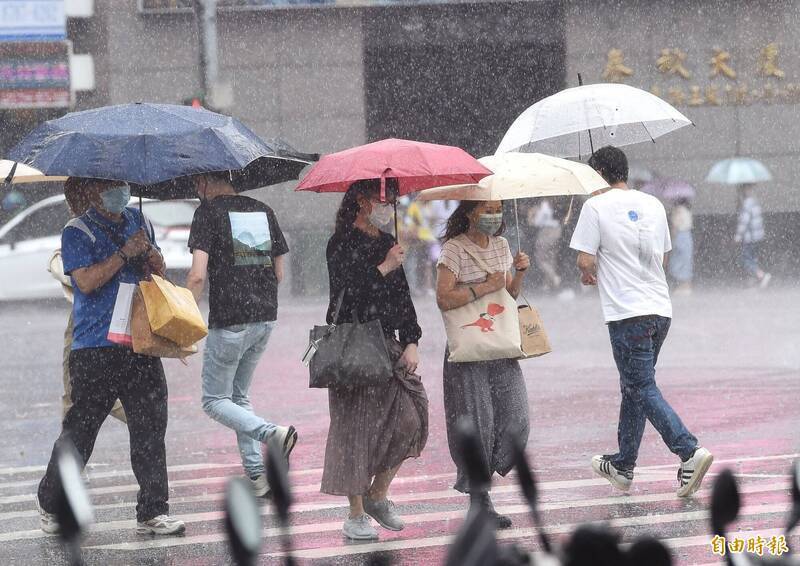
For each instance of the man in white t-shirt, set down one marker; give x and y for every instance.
(622, 239)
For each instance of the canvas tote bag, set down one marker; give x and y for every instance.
(484, 329)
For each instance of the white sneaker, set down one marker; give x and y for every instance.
(359, 528)
(260, 485)
(765, 281)
(621, 479)
(692, 471)
(47, 521)
(287, 438)
(161, 525)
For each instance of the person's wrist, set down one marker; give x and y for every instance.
(123, 256)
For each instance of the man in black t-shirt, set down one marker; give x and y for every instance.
(238, 246)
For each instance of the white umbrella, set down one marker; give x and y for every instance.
(576, 121)
(738, 171)
(24, 173)
(523, 175)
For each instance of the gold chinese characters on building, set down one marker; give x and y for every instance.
(724, 84)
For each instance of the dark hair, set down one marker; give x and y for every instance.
(217, 175)
(611, 163)
(75, 193)
(349, 208)
(458, 223)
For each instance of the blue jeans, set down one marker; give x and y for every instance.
(229, 361)
(636, 343)
(750, 256)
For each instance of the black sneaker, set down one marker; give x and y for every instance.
(621, 479)
(483, 500)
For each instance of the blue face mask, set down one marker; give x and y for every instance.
(116, 199)
(489, 224)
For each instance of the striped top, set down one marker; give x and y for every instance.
(497, 256)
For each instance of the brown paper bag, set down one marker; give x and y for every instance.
(534, 338)
(147, 343)
(173, 312)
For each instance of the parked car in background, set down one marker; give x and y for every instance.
(29, 239)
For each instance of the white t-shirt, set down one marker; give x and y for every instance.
(628, 233)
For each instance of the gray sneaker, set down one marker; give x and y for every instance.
(47, 521)
(161, 525)
(384, 512)
(260, 485)
(359, 528)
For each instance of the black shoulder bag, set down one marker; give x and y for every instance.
(348, 355)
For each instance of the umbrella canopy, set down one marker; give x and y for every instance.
(23, 174)
(640, 174)
(148, 144)
(415, 165)
(738, 170)
(575, 121)
(524, 175)
(669, 189)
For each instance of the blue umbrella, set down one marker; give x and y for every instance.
(738, 170)
(155, 147)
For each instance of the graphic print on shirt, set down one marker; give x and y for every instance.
(252, 243)
(645, 236)
(486, 320)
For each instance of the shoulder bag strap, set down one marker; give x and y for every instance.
(473, 255)
(339, 302)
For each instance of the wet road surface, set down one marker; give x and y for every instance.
(730, 367)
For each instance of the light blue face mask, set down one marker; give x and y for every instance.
(489, 224)
(116, 198)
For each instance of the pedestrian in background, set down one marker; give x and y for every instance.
(750, 234)
(238, 246)
(420, 240)
(681, 259)
(491, 394)
(78, 204)
(548, 234)
(373, 430)
(622, 239)
(107, 246)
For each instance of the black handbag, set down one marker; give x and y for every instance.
(352, 354)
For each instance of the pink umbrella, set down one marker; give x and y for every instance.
(415, 165)
(669, 189)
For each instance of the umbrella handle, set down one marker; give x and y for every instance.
(516, 219)
(10, 176)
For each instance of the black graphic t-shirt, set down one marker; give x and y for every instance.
(242, 239)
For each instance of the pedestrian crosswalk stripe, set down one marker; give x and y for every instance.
(644, 520)
(172, 469)
(508, 509)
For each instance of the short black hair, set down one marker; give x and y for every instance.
(611, 163)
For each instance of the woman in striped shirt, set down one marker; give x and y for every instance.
(491, 394)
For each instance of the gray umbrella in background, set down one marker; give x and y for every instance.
(739, 171)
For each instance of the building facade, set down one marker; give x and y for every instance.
(328, 77)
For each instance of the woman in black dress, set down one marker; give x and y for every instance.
(373, 429)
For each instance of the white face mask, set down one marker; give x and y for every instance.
(381, 214)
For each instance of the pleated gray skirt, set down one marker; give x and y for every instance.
(374, 429)
(493, 396)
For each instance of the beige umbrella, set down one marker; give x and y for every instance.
(23, 174)
(524, 175)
